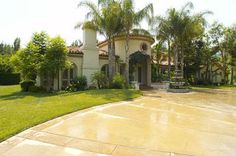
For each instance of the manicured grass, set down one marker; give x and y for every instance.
(19, 111)
(213, 87)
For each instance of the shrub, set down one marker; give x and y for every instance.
(26, 84)
(71, 88)
(92, 87)
(9, 78)
(80, 83)
(118, 82)
(36, 89)
(100, 79)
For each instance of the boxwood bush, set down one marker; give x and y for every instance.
(26, 85)
(118, 82)
(9, 78)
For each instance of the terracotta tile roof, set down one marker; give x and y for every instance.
(75, 50)
(103, 52)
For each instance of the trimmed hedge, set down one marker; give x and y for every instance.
(26, 85)
(9, 78)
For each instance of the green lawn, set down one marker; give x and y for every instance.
(19, 111)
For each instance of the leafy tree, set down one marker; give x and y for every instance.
(159, 55)
(41, 40)
(217, 36)
(55, 58)
(6, 49)
(5, 65)
(16, 44)
(229, 45)
(26, 62)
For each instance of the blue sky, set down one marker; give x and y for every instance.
(21, 18)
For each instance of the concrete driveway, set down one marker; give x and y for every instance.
(158, 124)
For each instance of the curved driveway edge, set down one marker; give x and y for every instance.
(157, 124)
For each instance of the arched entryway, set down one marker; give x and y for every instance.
(139, 68)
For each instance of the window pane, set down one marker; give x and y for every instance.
(65, 74)
(71, 74)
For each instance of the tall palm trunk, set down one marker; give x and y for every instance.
(176, 57)
(127, 59)
(113, 56)
(182, 59)
(169, 59)
(110, 59)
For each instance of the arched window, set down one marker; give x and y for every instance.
(68, 75)
(105, 69)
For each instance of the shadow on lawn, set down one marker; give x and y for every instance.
(20, 95)
(105, 94)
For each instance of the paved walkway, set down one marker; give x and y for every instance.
(158, 124)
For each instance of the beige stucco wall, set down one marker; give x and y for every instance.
(102, 62)
(134, 46)
(78, 61)
(90, 62)
(91, 54)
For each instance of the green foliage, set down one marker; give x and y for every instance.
(26, 61)
(41, 40)
(16, 44)
(55, 57)
(42, 56)
(9, 78)
(5, 64)
(100, 79)
(71, 88)
(36, 89)
(26, 84)
(6, 49)
(89, 25)
(118, 82)
(80, 83)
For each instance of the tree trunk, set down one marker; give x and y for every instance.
(113, 57)
(206, 75)
(127, 59)
(58, 79)
(176, 58)
(232, 75)
(169, 59)
(182, 61)
(224, 66)
(110, 59)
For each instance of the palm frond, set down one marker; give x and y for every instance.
(94, 11)
(78, 25)
(146, 12)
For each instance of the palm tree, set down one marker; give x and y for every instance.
(229, 45)
(164, 32)
(131, 18)
(107, 19)
(178, 29)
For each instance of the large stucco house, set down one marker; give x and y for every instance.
(92, 57)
